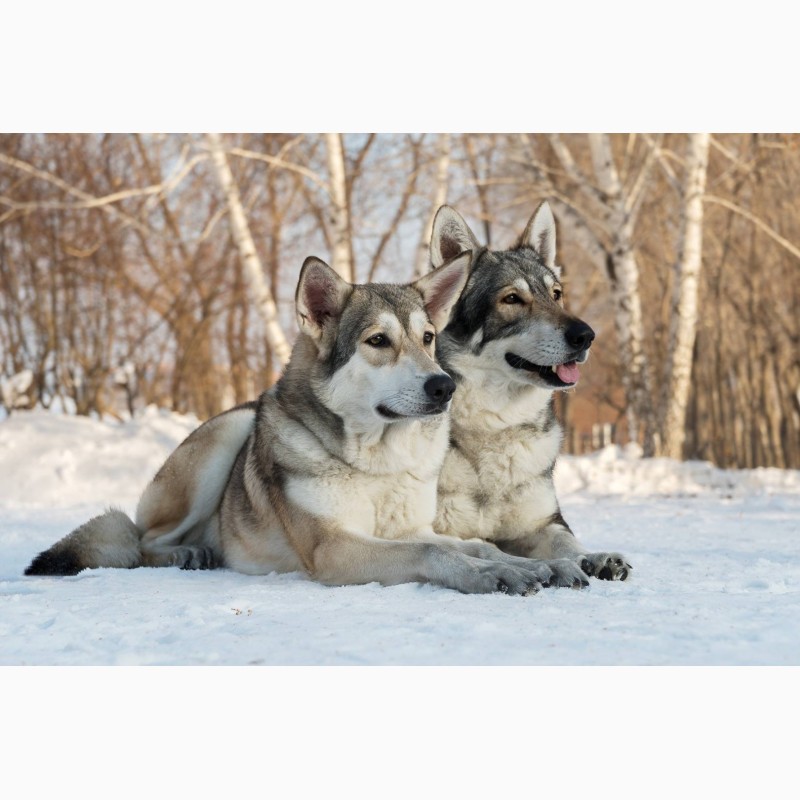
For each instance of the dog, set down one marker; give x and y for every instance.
(509, 346)
(332, 472)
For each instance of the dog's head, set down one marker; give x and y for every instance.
(511, 315)
(375, 344)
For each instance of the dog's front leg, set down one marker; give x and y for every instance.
(344, 558)
(337, 557)
(556, 543)
(556, 574)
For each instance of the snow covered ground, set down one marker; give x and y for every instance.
(716, 581)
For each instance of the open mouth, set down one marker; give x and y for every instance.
(557, 375)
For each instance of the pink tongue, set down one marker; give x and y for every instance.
(568, 372)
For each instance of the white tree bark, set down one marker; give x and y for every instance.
(276, 340)
(440, 198)
(625, 290)
(629, 326)
(684, 305)
(342, 250)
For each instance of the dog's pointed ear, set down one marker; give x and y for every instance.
(540, 234)
(441, 288)
(321, 297)
(451, 236)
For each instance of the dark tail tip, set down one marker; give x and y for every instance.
(49, 563)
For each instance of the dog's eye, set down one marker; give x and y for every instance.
(428, 337)
(557, 293)
(511, 299)
(379, 340)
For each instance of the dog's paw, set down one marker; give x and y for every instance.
(543, 571)
(488, 577)
(187, 557)
(605, 566)
(567, 574)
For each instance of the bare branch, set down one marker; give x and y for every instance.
(287, 146)
(178, 174)
(635, 195)
(88, 201)
(279, 162)
(573, 171)
(483, 202)
(662, 156)
(760, 224)
(728, 153)
(581, 231)
(408, 191)
(56, 181)
(358, 162)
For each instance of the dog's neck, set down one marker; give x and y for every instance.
(487, 398)
(417, 446)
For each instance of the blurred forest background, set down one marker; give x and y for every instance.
(161, 268)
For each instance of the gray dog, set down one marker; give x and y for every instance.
(509, 346)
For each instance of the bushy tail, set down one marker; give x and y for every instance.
(108, 540)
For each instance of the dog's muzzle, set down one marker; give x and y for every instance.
(579, 337)
(438, 389)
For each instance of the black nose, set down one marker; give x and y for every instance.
(579, 335)
(440, 388)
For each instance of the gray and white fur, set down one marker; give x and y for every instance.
(509, 346)
(333, 471)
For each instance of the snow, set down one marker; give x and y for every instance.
(716, 581)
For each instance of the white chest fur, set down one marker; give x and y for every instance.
(385, 486)
(496, 482)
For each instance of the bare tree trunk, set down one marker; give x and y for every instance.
(684, 306)
(625, 288)
(440, 198)
(342, 251)
(276, 339)
(629, 326)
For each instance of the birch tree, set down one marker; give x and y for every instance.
(341, 233)
(262, 296)
(622, 205)
(684, 305)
